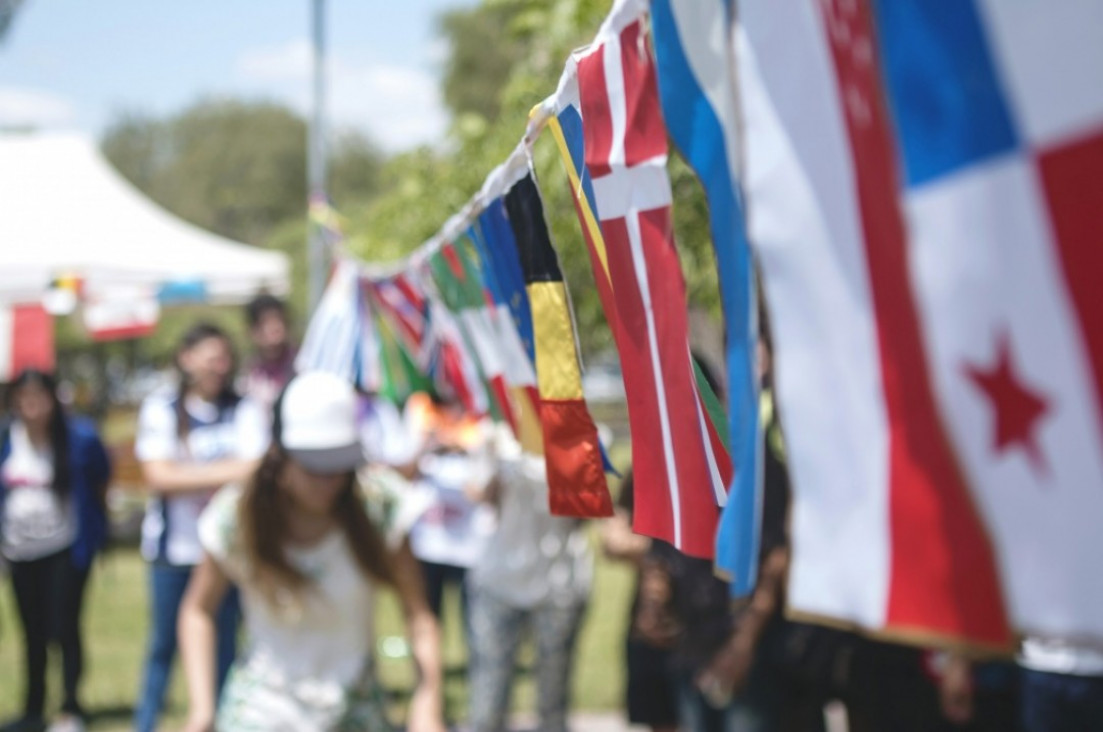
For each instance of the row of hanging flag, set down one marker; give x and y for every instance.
(920, 189)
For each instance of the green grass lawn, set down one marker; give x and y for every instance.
(115, 625)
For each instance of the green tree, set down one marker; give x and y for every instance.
(236, 168)
(482, 55)
(423, 188)
(354, 172)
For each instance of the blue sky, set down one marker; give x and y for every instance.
(78, 64)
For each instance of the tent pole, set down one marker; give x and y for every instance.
(316, 160)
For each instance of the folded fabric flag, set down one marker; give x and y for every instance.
(693, 53)
(923, 185)
(576, 476)
(402, 303)
(613, 142)
(341, 337)
(452, 363)
(460, 285)
(506, 290)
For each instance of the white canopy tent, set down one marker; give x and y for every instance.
(64, 211)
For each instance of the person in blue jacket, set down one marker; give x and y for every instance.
(54, 473)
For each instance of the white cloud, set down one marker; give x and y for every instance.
(289, 62)
(23, 107)
(437, 51)
(398, 106)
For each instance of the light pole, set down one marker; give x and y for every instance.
(316, 160)
(8, 9)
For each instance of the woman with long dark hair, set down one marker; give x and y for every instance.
(53, 477)
(298, 541)
(190, 443)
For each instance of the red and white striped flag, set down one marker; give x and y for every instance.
(452, 365)
(924, 185)
(681, 465)
(455, 272)
(405, 307)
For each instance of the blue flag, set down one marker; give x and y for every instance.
(696, 85)
(499, 249)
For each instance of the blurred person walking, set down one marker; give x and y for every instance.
(386, 436)
(298, 540)
(453, 469)
(650, 696)
(54, 473)
(537, 571)
(273, 361)
(770, 673)
(189, 444)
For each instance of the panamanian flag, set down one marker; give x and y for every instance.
(924, 188)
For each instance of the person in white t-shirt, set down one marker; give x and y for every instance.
(386, 436)
(189, 444)
(298, 540)
(536, 572)
(454, 466)
(53, 479)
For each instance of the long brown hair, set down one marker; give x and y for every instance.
(227, 398)
(58, 427)
(264, 530)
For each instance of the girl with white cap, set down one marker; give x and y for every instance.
(298, 542)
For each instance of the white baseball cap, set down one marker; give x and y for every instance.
(318, 423)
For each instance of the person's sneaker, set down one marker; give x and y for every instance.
(25, 724)
(67, 723)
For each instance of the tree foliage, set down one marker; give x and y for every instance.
(236, 168)
(423, 188)
(482, 55)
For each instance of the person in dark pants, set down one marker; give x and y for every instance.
(650, 697)
(1061, 702)
(53, 477)
(439, 576)
(1062, 685)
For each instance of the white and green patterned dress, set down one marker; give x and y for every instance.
(307, 664)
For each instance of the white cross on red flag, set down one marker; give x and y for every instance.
(680, 463)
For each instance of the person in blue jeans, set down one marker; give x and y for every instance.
(1061, 685)
(190, 443)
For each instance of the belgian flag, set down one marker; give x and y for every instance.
(576, 476)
